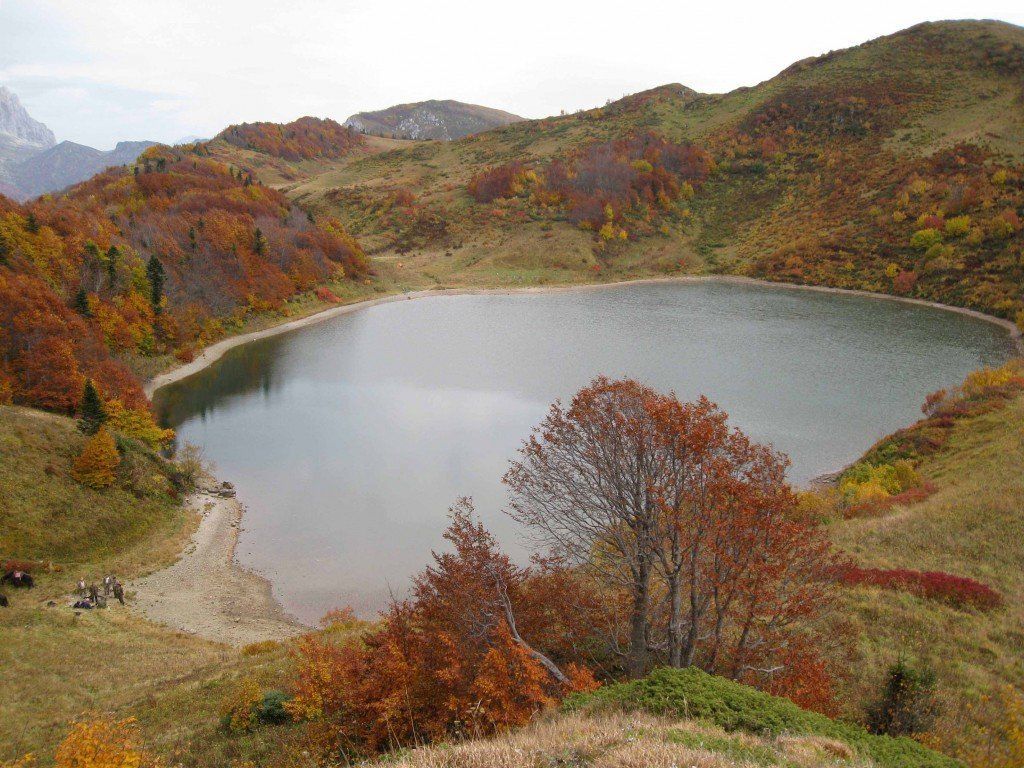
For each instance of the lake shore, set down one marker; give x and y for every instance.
(215, 351)
(208, 593)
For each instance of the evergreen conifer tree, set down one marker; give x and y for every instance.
(81, 303)
(91, 413)
(156, 277)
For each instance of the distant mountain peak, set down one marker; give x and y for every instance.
(19, 126)
(68, 163)
(443, 119)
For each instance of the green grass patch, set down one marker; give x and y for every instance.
(695, 695)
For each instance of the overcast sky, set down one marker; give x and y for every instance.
(97, 71)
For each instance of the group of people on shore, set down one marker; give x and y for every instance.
(92, 596)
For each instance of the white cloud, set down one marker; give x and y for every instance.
(162, 69)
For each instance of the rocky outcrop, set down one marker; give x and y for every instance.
(21, 137)
(32, 163)
(17, 127)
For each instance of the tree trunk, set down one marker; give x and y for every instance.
(675, 623)
(637, 662)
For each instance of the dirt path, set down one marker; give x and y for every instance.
(206, 592)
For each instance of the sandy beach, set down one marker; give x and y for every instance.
(209, 594)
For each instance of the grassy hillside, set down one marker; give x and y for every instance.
(59, 664)
(823, 174)
(972, 526)
(45, 514)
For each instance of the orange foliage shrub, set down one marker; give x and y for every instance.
(96, 464)
(449, 661)
(238, 708)
(103, 743)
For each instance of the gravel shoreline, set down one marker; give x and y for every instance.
(206, 592)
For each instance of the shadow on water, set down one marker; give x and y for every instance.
(242, 372)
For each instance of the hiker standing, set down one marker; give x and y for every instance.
(119, 591)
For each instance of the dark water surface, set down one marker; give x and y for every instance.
(348, 440)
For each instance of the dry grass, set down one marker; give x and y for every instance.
(630, 741)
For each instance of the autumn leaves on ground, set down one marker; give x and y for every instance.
(682, 585)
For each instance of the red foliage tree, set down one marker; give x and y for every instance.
(452, 659)
(692, 519)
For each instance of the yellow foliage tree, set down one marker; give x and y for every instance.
(103, 743)
(96, 464)
(137, 424)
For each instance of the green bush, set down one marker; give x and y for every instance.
(271, 709)
(693, 694)
(924, 239)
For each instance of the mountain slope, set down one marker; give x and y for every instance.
(302, 139)
(137, 264)
(441, 120)
(822, 174)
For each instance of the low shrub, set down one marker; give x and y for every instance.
(693, 694)
(958, 591)
(104, 742)
(872, 507)
(907, 706)
(271, 709)
(261, 647)
(868, 486)
(500, 181)
(326, 295)
(238, 708)
(246, 707)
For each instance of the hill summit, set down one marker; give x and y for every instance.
(446, 120)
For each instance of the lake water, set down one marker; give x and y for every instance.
(348, 440)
